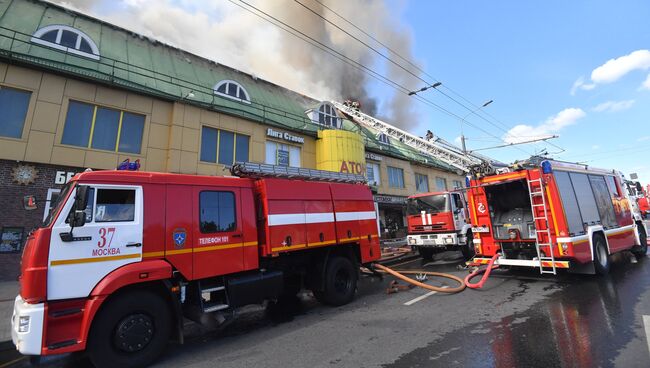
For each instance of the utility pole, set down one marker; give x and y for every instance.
(462, 135)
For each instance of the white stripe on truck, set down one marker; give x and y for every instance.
(316, 218)
(352, 216)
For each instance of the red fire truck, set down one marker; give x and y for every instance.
(125, 255)
(439, 221)
(551, 214)
(644, 206)
(640, 195)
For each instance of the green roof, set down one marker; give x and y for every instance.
(131, 61)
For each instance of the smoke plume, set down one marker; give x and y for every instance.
(230, 35)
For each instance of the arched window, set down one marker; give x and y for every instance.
(232, 90)
(67, 39)
(326, 115)
(383, 138)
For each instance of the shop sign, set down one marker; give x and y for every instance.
(352, 167)
(372, 156)
(11, 239)
(63, 177)
(285, 136)
(389, 199)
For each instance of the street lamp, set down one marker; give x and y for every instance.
(435, 85)
(462, 135)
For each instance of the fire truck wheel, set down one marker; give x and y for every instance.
(426, 253)
(130, 331)
(601, 257)
(640, 251)
(340, 282)
(468, 247)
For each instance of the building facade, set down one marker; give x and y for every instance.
(78, 93)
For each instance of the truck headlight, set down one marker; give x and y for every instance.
(23, 324)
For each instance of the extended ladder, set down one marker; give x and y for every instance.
(254, 170)
(542, 233)
(445, 154)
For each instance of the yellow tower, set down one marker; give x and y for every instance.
(340, 151)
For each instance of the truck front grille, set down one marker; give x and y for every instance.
(428, 227)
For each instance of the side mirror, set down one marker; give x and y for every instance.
(639, 187)
(78, 219)
(81, 198)
(77, 216)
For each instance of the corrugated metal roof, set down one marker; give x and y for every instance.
(135, 62)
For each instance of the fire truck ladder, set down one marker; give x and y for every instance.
(253, 170)
(447, 155)
(542, 228)
(213, 296)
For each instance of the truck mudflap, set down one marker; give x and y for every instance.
(477, 261)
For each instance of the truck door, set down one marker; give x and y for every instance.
(218, 232)
(458, 211)
(111, 238)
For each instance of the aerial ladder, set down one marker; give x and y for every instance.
(435, 147)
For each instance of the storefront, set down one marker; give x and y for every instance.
(283, 148)
(20, 179)
(392, 216)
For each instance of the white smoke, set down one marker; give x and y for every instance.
(230, 35)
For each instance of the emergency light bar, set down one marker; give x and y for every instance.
(129, 166)
(254, 170)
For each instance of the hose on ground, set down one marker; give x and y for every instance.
(400, 275)
(394, 253)
(485, 271)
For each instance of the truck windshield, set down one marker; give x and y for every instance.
(429, 204)
(54, 207)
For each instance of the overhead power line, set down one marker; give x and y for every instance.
(299, 34)
(611, 153)
(410, 63)
(415, 66)
(323, 47)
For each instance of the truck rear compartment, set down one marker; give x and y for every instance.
(512, 219)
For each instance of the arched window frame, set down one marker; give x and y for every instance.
(383, 138)
(36, 38)
(242, 93)
(327, 111)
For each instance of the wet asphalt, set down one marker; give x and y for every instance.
(519, 319)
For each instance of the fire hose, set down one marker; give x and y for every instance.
(485, 271)
(400, 275)
(394, 253)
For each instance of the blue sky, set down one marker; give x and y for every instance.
(526, 56)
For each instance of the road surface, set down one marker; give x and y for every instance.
(520, 319)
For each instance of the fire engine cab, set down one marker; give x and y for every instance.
(124, 256)
(439, 221)
(639, 197)
(554, 215)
